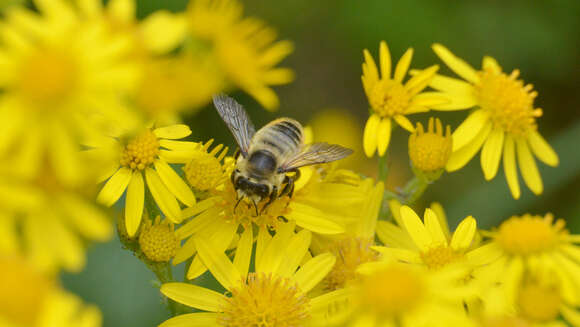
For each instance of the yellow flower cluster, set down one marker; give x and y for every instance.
(94, 97)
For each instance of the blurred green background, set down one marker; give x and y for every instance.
(541, 38)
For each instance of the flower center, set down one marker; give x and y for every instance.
(24, 292)
(529, 234)
(204, 171)
(265, 301)
(48, 77)
(392, 291)
(350, 253)
(389, 98)
(508, 101)
(158, 241)
(440, 256)
(430, 150)
(539, 302)
(141, 151)
(245, 212)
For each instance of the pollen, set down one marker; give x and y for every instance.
(24, 292)
(265, 301)
(158, 240)
(539, 302)
(48, 77)
(389, 98)
(430, 150)
(440, 256)
(205, 170)
(528, 234)
(350, 253)
(508, 101)
(141, 151)
(392, 291)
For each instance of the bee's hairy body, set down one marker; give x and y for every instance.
(256, 176)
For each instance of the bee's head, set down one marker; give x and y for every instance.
(250, 188)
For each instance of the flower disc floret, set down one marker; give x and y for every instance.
(140, 152)
(158, 241)
(350, 253)
(389, 98)
(267, 301)
(205, 170)
(440, 256)
(529, 234)
(430, 150)
(509, 102)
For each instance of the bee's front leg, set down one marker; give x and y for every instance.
(289, 181)
(273, 196)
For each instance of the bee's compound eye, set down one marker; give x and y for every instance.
(264, 190)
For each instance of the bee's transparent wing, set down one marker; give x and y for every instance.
(315, 153)
(237, 120)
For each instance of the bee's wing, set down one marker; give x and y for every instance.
(237, 120)
(315, 153)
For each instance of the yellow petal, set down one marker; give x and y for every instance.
(9, 242)
(485, 254)
(219, 264)
(463, 235)
(420, 81)
(394, 236)
(164, 199)
(528, 167)
(370, 135)
(162, 31)
(273, 254)
(86, 217)
(403, 65)
(509, 167)
(278, 76)
(244, 252)
(433, 227)
(262, 242)
(63, 153)
(453, 86)
(172, 132)
(174, 183)
(462, 156)
(489, 63)
(186, 251)
(115, 187)
(197, 319)
(457, 102)
(372, 72)
(400, 254)
(395, 207)
(385, 59)
(542, 149)
(404, 122)
(296, 249)
(199, 222)
(383, 136)
(429, 100)
(456, 64)
(91, 8)
(276, 53)
(469, 129)
(491, 153)
(219, 235)
(367, 226)
(416, 229)
(122, 10)
(134, 205)
(311, 273)
(313, 219)
(194, 296)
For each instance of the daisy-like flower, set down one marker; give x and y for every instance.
(396, 294)
(275, 294)
(157, 240)
(353, 247)
(323, 205)
(56, 71)
(433, 246)
(129, 162)
(206, 170)
(31, 298)
(49, 222)
(390, 98)
(502, 125)
(208, 19)
(430, 149)
(529, 243)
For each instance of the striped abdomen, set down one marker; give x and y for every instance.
(282, 137)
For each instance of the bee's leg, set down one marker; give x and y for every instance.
(289, 181)
(238, 202)
(256, 207)
(273, 196)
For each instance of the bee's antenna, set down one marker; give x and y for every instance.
(256, 206)
(239, 200)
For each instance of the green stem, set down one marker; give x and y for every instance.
(414, 190)
(383, 168)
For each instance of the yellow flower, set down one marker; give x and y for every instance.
(145, 155)
(322, 205)
(204, 171)
(390, 98)
(529, 243)
(275, 294)
(430, 150)
(49, 222)
(395, 294)
(56, 71)
(353, 247)
(157, 240)
(30, 298)
(502, 125)
(432, 245)
(208, 19)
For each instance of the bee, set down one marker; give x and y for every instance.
(267, 157)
